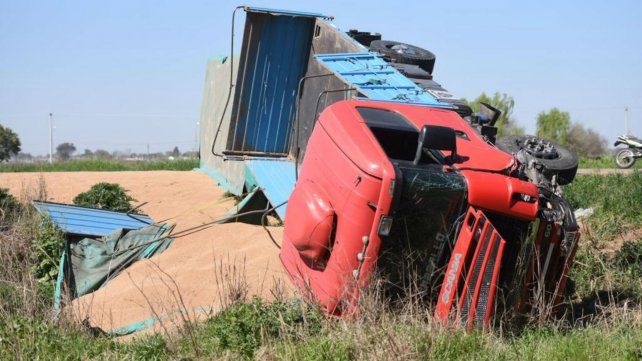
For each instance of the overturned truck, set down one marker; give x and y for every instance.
(385, 174)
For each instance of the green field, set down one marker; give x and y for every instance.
(602, 162)
(608, 273)
(101, 166)
(185, 164)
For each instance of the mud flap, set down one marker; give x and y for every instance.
(468, 292)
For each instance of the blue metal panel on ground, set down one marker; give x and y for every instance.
(273, 59)
(286, 12)
(376, 79)
(89, 221)
(276, 178)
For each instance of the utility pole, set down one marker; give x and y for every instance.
(626, 120)
(50, 138)
(196, 148)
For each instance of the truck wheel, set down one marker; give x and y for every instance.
(405, 53)
(363, 37)
(556, 159)
(625, 158)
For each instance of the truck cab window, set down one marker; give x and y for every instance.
(396, 135)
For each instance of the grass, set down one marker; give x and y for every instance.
(616, 198)
(281, 331)
(608, 261)
(95, 165)
(289, 330)
(602, 162)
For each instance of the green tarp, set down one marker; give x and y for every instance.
(92, 262)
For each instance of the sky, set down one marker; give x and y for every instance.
(128, 74)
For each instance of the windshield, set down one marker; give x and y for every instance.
(425, 215)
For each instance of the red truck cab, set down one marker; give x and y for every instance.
(370, 197)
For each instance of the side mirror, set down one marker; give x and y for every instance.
(491, 113)
(436, 137)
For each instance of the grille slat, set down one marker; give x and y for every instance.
(482, 301)
(476, 270)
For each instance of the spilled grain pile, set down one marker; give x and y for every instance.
(200, 273)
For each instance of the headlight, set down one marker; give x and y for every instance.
(385, 225)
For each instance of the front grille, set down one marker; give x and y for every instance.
(476, 270)
(484, 292)
(532, 269)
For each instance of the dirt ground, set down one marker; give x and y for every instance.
(604, 171)
(203, 270)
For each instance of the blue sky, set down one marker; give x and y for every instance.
(124, 74)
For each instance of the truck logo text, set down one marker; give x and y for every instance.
(450, 278)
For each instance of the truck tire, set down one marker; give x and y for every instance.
(363, 37)
(556, 159)
(405, 53)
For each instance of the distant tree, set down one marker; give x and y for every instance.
(585, 141)
(102, 154)
(554, 125)
(87, 153)
(117, 154)
(24, 157)
(65, 150)
(9, 143)
(175, 152)
(506, 124)
(191, 154)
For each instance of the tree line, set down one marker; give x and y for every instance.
(10, 148)
(553, 124)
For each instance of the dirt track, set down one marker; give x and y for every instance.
(604, 171)
(198, 270)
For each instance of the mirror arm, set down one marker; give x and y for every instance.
(432, 156)
(420, 146)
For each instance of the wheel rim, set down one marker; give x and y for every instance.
(540, 148)
(403, 49)
(625, 158)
